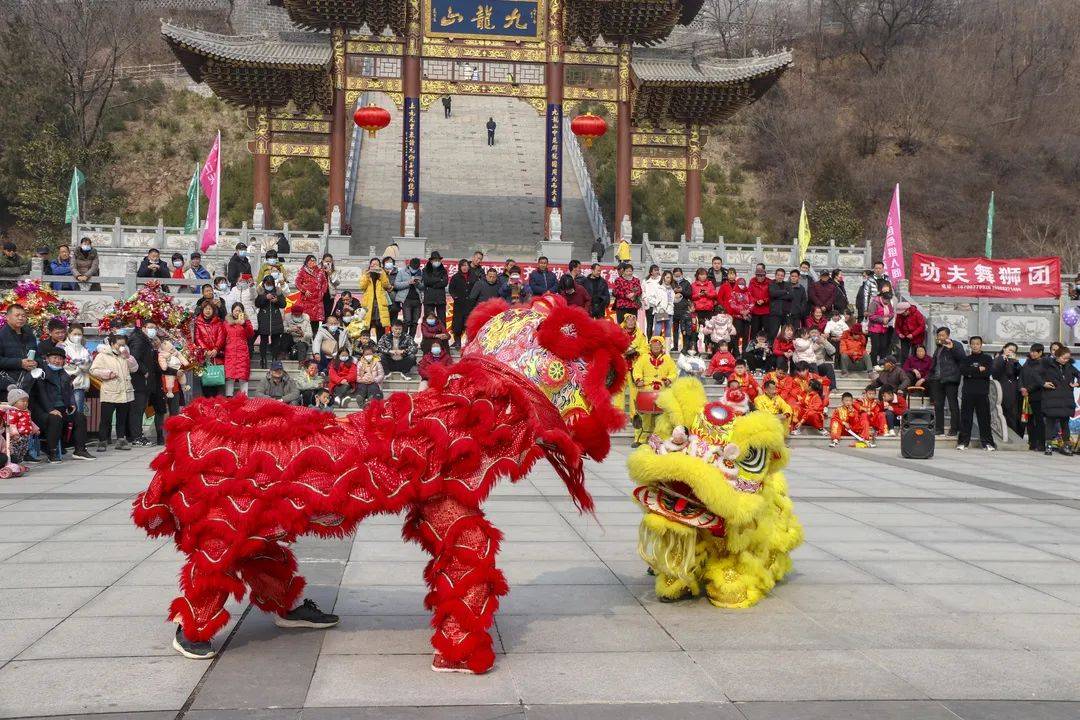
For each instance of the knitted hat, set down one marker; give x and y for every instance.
(15, 394)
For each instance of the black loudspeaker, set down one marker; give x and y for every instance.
(917, 434)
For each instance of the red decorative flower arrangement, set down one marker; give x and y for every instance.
(149, 304)
(42, 305)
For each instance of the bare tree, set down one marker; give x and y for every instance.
(86, 40)
(874, 28)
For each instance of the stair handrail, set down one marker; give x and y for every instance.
(352, 167)
(584, 180)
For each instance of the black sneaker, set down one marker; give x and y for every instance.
(52, 459)
(102, 447)
(190, 649)
(306, 615)
(143, 442)
(82, 455)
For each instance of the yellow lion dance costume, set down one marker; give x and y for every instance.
(718, 518)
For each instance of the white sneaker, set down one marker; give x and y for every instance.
(833, 443)
(990, 448)
(961, 447)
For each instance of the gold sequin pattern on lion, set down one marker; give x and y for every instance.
(718, 520)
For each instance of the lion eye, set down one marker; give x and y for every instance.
(754, 461)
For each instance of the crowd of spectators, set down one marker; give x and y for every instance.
(782, 339)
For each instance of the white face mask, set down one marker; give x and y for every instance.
(389, 267)
(77, 339)
(343, 357)
(276, 275)
(151, 332)
(178, 263)
(85, 247)
(436, 263)
(348, 318)
(436, 350)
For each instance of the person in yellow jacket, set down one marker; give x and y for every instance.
(638, 347)
(375, 297)
(653, 371)
(771, 402)
(622, 250)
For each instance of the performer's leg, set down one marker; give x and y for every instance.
(465, 584)
(200, 610)
(271, 575)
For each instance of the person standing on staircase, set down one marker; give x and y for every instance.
(446, 106)
(491, 131)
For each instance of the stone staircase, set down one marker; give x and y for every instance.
(471, 196)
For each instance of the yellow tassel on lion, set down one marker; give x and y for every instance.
(718, 520)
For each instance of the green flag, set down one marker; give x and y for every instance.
(72, 213)
(990, 227)
(191, 222)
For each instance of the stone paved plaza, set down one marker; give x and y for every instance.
(927, 590)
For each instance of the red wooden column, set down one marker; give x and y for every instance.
(336, 195)
(260, 150)
(623, 143)
(553, 79)
(411, 67)
(693, 176)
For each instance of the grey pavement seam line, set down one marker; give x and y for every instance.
(194, 694)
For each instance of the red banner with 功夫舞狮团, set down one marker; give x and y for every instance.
(982, 277)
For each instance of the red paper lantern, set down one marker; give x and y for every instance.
(371, 118)
(588, 126)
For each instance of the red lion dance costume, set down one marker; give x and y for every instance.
(239, 479)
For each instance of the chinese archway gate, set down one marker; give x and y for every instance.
(298, 83)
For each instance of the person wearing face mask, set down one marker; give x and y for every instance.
(238, 334)
(397, 351)
(312, 283)
(516, 292)
(390, 266)
(238, 264)
(309, 382)
(296, 337)
(85, 265)
(270, 324)
(434, 356)
(274, 269)
(77, 365)
(113, 366)
(409, 295)
(145, 381)
(375, 298)
(433, 332)
(342, 379)
(435, 281)
(208, 333)
(177, 270)
(330, 340)
(880, 320)
(333, 283)
(460, 288)
(369, 377)
(54, 410)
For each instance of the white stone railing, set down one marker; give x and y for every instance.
(745, 256)
(352, 168)
(584, 180)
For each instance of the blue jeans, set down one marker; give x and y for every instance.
(80, 401)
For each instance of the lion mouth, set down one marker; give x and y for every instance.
(676, 501)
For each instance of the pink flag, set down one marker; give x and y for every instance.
(893, 255)
(210, 179)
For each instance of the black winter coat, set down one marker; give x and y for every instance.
(1059, 401)
(143, 351)
(270, 321)
(600, 293)
(435, 282)
(947, 362)
(779, 298)
(14, 347)
(799, 303)
(145, 271)
(483, 290)
(1031, 378)
(976, 380)
(460, 286)
(237, 266)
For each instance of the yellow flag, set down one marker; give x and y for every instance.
(804, 233)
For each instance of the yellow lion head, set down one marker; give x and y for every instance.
(707, 464)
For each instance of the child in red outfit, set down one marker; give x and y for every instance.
(874, 410)
(895, 406)
(848, 419)
(746, 380)
(784, 347)
(17, 429)
(810, 409)
(722, 364)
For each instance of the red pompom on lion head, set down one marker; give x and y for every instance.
(577, 361)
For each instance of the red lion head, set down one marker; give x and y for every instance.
(577, 361)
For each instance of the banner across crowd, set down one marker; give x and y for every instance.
(1038, 277)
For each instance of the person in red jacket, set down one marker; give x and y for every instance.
(208, 333)
(784, 347)
(910, 327)
(734, 298)
(746, 380)
(848, 420)
(809, 409)
(871, 406)
(816, 319)
(626, 292)
(721, 365)
(703, 295)
(238, 331)
(759, 300)
(342, 383)
(895, 406)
